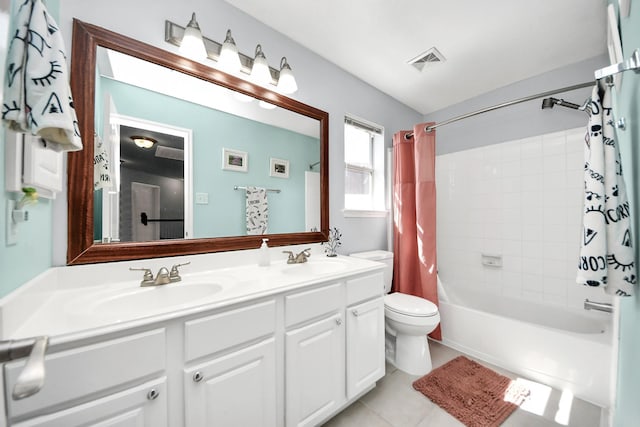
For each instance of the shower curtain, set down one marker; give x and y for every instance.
(414, 208)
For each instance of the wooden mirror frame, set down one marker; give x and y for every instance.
(81, 249)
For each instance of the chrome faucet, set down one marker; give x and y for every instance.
(600, 306)
(163, 277)
(298, 259)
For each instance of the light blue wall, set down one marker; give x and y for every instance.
(213, 130)
(33, 252)
(627, 413)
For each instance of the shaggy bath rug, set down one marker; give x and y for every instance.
(474, 394)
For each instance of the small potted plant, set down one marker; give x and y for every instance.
(331, 245)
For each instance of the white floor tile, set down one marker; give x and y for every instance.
(394, 403)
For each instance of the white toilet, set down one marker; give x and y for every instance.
(408, 320)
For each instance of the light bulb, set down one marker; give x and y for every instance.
(286, 82)
(229, 59)
(192, 44)
(260, 71)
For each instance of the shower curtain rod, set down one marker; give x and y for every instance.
(507, 104)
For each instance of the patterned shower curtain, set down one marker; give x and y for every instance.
(414, 209)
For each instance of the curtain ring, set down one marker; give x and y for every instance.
(408, 136)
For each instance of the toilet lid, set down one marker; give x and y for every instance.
(410, 305)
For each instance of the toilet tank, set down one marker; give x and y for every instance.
(384, 257)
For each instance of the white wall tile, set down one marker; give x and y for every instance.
(532, 249)
(512, 247)
(531, 147)
(522, 200)
(532, 282)
(553, 144)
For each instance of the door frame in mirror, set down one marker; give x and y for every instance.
(81, 248)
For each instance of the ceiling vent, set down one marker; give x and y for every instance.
(428, 57)
(170, 153)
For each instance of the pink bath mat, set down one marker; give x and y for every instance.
(474, 394)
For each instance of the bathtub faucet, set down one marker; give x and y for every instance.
(601, 306)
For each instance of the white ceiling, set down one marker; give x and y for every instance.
(487, 44)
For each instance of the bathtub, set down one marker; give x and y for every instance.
(565, 349)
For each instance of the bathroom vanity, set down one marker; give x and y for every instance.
(231, 344)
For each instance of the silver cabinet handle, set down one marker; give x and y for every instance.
(197, 377)
(355, 313)
(31, 379)
(153, 394)
(339, 321)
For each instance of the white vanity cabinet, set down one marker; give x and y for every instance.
(237, 387)
(291, 357)
(314, 355)
(365, 333)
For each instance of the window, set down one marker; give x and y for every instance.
(364, 167)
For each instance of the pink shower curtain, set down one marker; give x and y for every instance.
(414, 208)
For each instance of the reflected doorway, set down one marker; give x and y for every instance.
(151, 195)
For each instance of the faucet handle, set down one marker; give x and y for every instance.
(174, 274)
(148, 275)
(291, 256)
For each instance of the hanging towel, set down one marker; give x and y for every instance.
(257, 210)
(37, 96)
(606, 255)
(102, 174)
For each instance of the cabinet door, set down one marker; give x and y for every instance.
(141, 406)
(314, 370)
(237, 389)
(365, 345)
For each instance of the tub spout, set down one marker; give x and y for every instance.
(601, 306)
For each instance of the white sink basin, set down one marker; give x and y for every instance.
(315, 268)
(156, 298)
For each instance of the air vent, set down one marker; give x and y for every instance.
(170, 153)
(431, 56)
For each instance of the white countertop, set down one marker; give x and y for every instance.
(69, 303)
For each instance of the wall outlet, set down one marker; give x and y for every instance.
(202, 198)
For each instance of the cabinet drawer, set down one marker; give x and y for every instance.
(227, 329)
(309, 304)
(363, 288)
(79, 372)
(131, 407)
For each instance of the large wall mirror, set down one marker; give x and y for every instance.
(179, 148)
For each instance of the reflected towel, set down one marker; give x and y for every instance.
(102, 174)
(606, 255)
(257, 209)
(37, 96)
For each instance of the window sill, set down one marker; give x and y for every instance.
(357, 213)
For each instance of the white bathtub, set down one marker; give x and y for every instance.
(568, 350)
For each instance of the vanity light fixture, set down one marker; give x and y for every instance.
(220, 52)
(192, 44)
(229, 59)
(143, 141)
(260, 70)
(286, 82)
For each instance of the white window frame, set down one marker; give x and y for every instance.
(377, 197)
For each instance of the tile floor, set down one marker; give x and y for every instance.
(394, 403)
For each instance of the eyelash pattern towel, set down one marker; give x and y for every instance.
(37, 96)
(257, 210)
(606, 255)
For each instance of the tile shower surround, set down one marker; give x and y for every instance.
(522, 200)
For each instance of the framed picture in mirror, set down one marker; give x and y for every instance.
(234, 160)
(279, 168)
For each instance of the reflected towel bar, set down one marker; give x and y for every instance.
(269, 190)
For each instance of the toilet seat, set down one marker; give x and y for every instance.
(409, 305)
